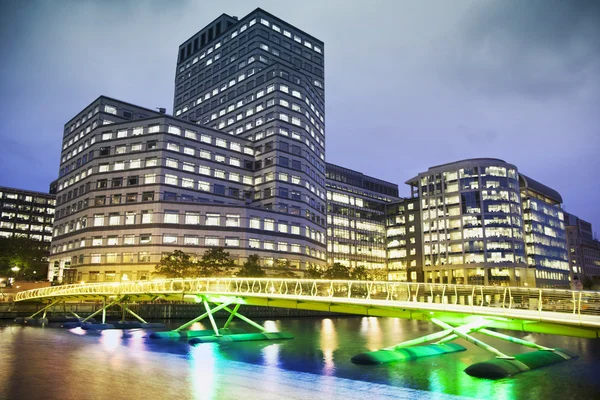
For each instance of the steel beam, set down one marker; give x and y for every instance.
(45, 309)
(201, 317)
(471, 339)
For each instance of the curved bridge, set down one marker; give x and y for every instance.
(551, 311)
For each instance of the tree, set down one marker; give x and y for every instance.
(251, 268)
(587, 282)
(177, 265)
(337, 271)
(377, 274)
(28, 255)
(359, 273)
(283, 269)
(313, 272)
(216, 261)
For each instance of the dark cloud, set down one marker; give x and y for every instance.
(409, 84)
(537, 48)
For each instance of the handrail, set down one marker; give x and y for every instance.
(560, 301)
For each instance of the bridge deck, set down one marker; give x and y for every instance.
(563, 312)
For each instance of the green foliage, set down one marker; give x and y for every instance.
(283, 269)
(337, 271)
(177, 265)
(359, 274)
(26, 254)
(313, 272)
(216, 261)
(251, 268)
(180, 265)
(377, 274)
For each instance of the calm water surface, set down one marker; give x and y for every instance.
(52, 363)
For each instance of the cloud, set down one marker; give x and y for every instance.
(540, 49)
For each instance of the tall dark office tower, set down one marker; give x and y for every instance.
(261, 79)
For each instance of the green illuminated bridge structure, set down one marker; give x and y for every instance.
(459, 310)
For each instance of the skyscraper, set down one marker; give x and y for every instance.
(262, 79)
(240, 166)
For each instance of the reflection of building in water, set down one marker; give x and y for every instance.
(328, 344)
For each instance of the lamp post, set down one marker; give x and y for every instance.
(15, 271)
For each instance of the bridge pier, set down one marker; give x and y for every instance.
(224, 334)
(502, 366)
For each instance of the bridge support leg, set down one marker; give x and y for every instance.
(126, 308)
(102, 310)
(45, 309)
(234, 313)
(458, 332)
(224, 334)
(73, 313)
(201, 317)
(210, 317)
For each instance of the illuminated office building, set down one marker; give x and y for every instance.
(404, 245)
(545, 236)
(27, 214)
(135, 184)
(240, 165)
(356, 218)
(583, 250)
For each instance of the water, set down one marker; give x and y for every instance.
(50, 363)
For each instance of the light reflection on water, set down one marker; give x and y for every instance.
(203, 377)
(316, 364)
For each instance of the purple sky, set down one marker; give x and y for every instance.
(409, 84)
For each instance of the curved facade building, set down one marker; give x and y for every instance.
(472, 223)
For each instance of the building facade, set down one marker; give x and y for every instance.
(356, 231)
(27, 214)
(261, 79)
(583, 250)
(241, 165)
(545, 236)
(404, 240)
(133, 189)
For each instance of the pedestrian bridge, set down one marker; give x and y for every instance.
(550, 311)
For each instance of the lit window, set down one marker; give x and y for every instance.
(169, 239)
(213, 219)
(191, 240)
(211, 241)
(204, 186)
(171, 217)
(232, 242)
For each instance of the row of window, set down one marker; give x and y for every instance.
(25, 198)
(33, 236)
(25, 227)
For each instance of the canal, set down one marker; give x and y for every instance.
(52, 363)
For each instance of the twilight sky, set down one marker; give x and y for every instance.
(409, 84)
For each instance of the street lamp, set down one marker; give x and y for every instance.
(14, 269)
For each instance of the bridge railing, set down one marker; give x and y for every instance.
(553, 300)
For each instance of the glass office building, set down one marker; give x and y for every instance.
(403, 238)
(356, 231)
(471, 222)
(545, 235)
